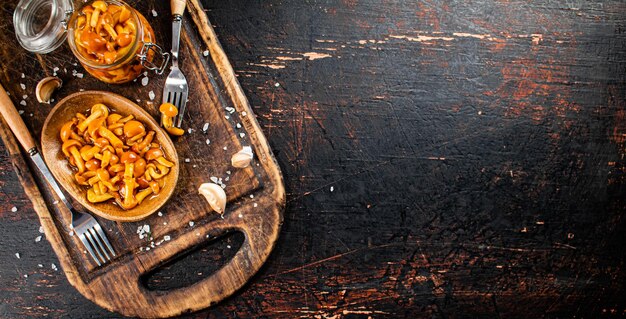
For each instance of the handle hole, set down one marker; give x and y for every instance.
(195, 264)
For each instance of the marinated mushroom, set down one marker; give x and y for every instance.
(116, 157)
(168, 112)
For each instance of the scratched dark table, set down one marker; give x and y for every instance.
(442, 159)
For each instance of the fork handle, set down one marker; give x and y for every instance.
(178, 6)
(15, 122)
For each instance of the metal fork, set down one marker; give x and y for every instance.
(84, 225)
(176, 88)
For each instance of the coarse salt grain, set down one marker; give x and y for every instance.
(228, 246)
(187, 160)
(41, 229)
(20, 112)
(244, 113)
(240, 216)
(191, 223)
(205, 127)
(213, 179)
(332, 188)
(230, 110)
(23, 75)
(277, 84)
(14, 209)
(151, 95)
(144, 81)
(54, 267)
(25, 276)
(225, 147)
(40, 265)
(23, 86)
(167, 237)
(255, 204)
(23, 103)
(79, 75)
(160, 214)
(154, 13)
(242, 135)
(205, 53)
(238, 125)
(208, 141)
(190, 130)
(24, 96)
(37, 239)
(18, 255)
(251, 195)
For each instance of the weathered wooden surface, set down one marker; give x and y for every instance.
(474, 150)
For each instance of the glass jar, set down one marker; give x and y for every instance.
(112, 40)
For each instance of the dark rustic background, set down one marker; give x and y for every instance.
(443, 159)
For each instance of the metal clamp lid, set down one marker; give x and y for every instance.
(158, 51)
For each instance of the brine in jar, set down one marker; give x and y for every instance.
(107, 36)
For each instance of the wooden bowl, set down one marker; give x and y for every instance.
(62, 171)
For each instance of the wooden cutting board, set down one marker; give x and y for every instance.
(256, 196)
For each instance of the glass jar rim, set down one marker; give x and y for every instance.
(122, 60)
(52, 34)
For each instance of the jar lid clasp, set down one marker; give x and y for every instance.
(66, 20)
(157, 50)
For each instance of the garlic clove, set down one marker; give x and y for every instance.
(46, 87)
(242, 158)
(215, 195)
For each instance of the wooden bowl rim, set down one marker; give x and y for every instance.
(136, 212)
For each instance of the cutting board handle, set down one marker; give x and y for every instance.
(222, 283)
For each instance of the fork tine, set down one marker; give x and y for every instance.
(93, 246)
(104, 239)
(88, 246)
(102, 249)
(181, 109)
